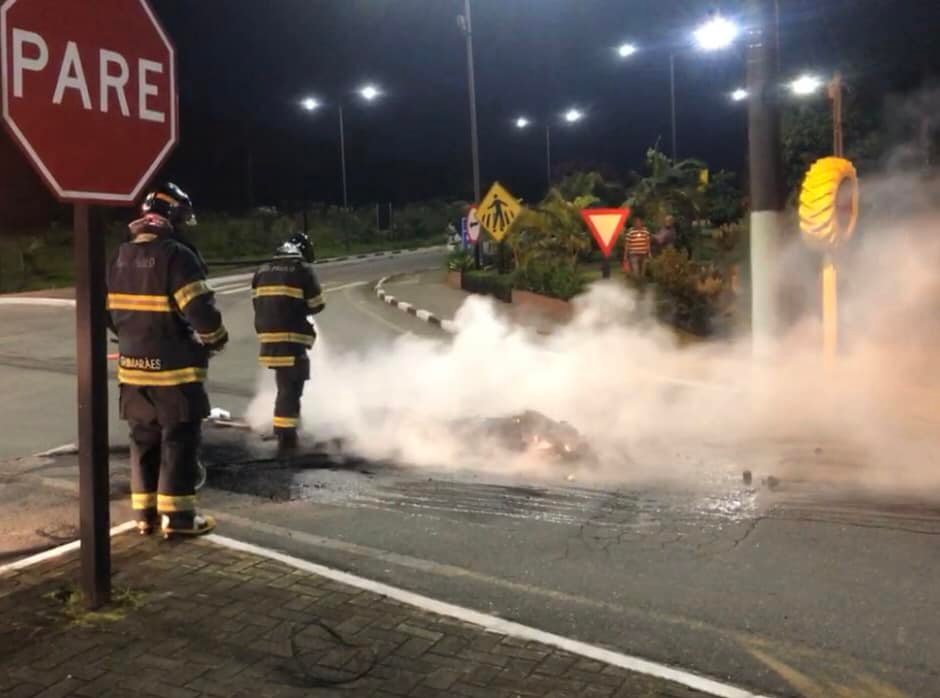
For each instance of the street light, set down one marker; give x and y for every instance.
(626, 50)
(716, 34)
(740, 94)
(572, 115)
(806, 85)
(369, 93)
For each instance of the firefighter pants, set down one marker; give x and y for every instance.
(290, 389)
(165, 426)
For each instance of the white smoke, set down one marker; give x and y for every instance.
(657, 409)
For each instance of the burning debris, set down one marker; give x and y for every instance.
(531, 433)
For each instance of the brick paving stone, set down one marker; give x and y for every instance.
(214, 622)
(24, 690)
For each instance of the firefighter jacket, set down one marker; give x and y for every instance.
(161, 308)
(285, 291)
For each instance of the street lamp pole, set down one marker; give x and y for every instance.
(672, 91)
(548, 154)
(766, 182)
(471, 86)
(342, 154)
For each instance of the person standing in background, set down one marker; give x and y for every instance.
(666, 235)
(638, 247)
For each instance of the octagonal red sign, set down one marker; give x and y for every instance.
(89, 93)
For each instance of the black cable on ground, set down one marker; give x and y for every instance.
(314, 681)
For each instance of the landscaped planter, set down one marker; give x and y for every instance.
(454, 279)
(528, 302)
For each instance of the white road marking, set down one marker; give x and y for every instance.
(327, 289)
(50, 302)
(59, 551)
(63, 450)
(423, 314)
(494, 624)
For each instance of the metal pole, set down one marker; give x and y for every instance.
(766, 172)
(548, 154)
(830, 308)
(835, 94)
(471, 84)
(672, 93)
(342, 153)
(93, 476)
(830, 273)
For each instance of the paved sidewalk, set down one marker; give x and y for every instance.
(194, 618)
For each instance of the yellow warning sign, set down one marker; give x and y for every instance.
(498, 211)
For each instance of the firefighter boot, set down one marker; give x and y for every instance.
(147, 520)
(186, 524)
(287, 443)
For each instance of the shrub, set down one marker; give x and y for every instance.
(460, 260)
(689, 294)
(556, 278)
(488, 283)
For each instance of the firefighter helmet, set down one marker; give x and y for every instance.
(298, 245)
(172, 203)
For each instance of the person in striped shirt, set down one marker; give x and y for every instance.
(638, 247)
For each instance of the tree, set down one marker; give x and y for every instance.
(724, 202)
(669, 188)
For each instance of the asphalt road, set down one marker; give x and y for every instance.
(37, 350)
(803, 590)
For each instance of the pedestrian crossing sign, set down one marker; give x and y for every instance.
(498, 211)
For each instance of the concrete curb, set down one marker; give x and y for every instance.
(390, 253)
(424, 315)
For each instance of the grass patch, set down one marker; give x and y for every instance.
(70, 605)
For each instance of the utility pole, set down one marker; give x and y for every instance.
(835, 94)
(766, 178)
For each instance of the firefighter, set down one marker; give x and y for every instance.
(285, 292)
(164, 315)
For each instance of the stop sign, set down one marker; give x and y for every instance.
(89, 93)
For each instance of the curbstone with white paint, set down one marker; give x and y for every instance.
(424, 315)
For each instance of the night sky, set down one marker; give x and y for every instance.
(244, 66)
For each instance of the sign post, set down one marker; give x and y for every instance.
(498, 211)
(89, 94)
(473, 234)
(829, 202)
(93, 470)
(606, 225)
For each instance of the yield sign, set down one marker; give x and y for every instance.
(605, 225)
(473, 225)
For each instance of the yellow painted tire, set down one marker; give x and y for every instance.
(829, 202)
